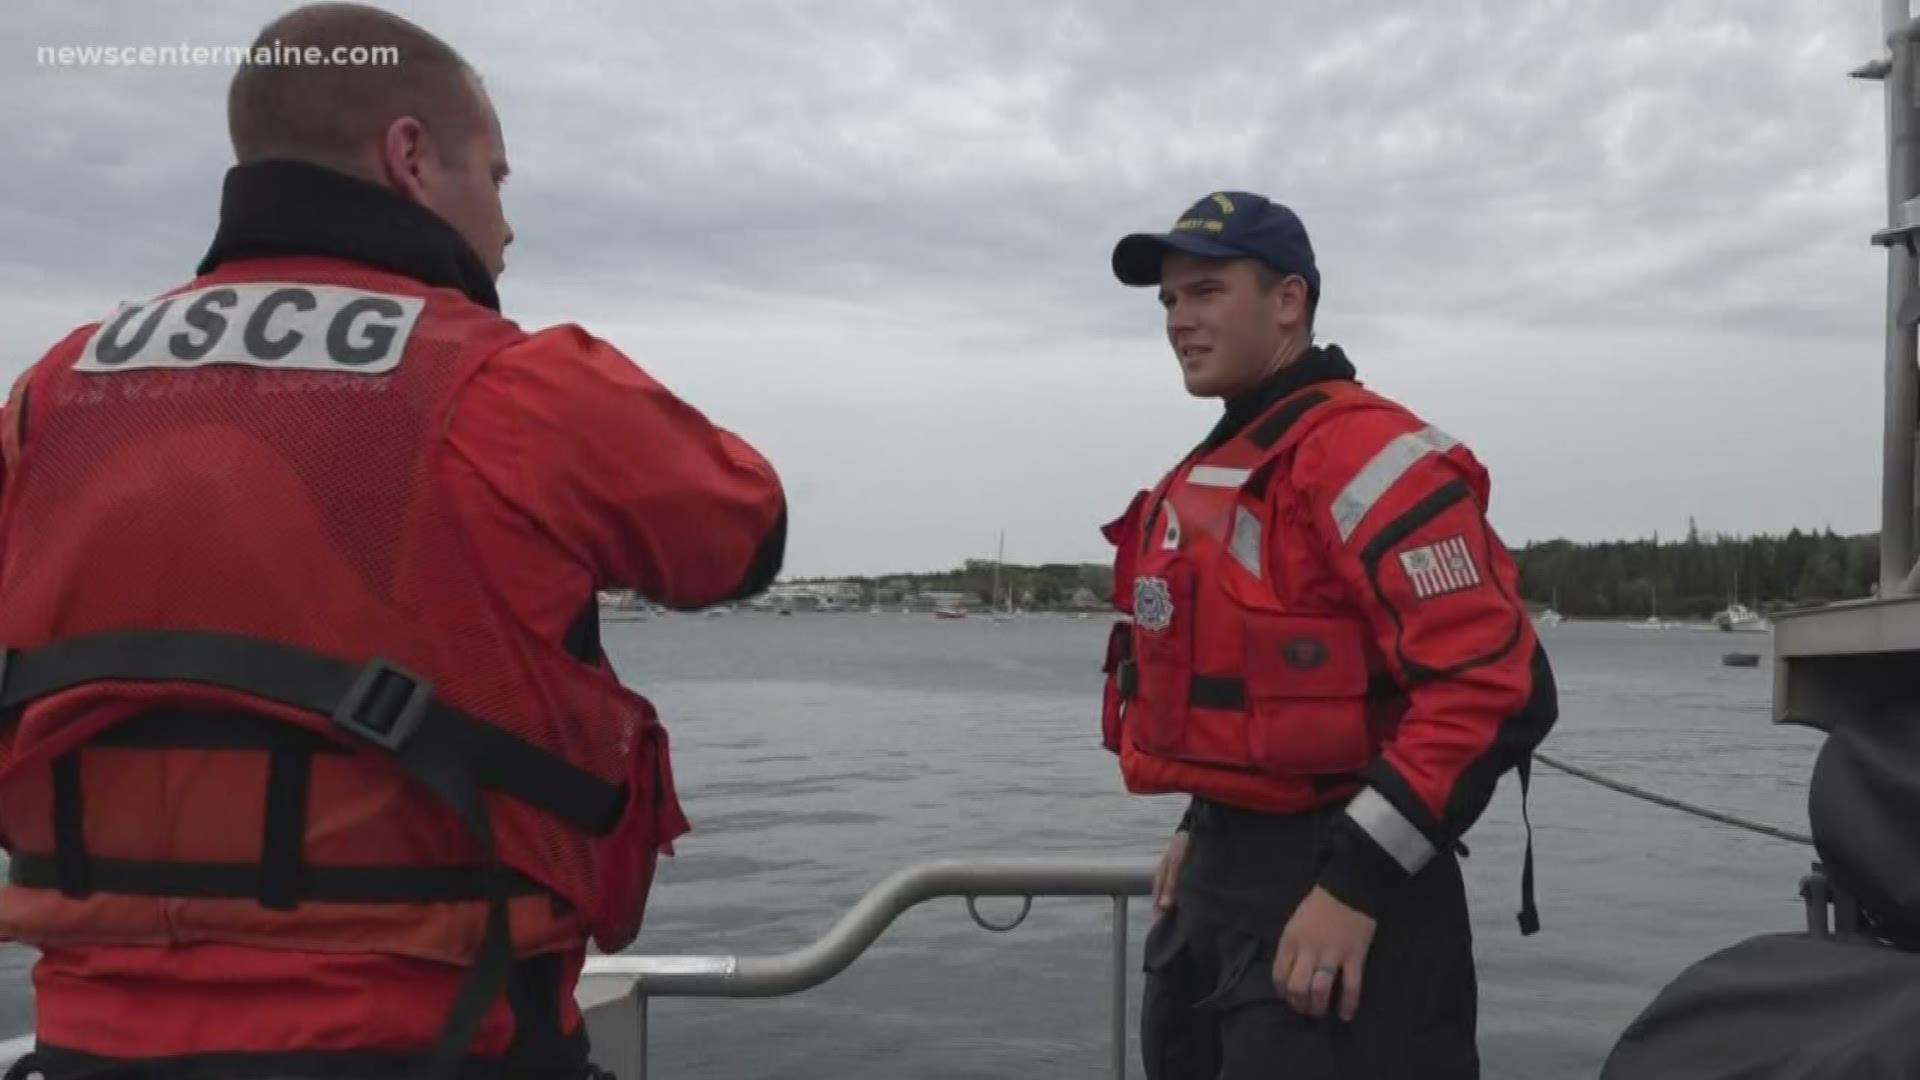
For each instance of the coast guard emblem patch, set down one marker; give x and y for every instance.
(1152, 603)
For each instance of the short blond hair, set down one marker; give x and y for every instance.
(330, 114)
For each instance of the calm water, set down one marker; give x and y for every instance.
(819, 753)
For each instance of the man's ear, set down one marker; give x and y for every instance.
(1291, 305)
(403, 152)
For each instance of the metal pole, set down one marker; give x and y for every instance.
(1902, 384)
(1813, 890)
(1120, 986)
(640, 1038)
(813, 964)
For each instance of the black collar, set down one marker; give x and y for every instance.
(279, 208)
(1315, 365)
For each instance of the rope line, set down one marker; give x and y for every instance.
(1672, 803)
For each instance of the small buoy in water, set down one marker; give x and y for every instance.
(1741, 659)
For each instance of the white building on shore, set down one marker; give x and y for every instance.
(811, 596)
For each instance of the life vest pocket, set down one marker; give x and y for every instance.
(1163, 616)
(1306, 679)
(628, 856)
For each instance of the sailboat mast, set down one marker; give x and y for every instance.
(999, 557)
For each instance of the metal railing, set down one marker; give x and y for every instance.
(807, 967)
(860, 927)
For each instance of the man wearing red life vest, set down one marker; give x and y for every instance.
(311, 763)
(1326, 650)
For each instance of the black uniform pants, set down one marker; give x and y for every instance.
(1210, 1011)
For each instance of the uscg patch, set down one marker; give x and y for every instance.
(1152, 603)
(281, 325)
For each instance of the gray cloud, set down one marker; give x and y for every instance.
(1619, 248)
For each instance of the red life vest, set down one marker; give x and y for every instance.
(260, 687)
(1222, 684)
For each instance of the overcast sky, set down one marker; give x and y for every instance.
(1620, 249)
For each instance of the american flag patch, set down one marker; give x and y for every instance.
(1440, 568)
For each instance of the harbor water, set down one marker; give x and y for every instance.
(818, 753)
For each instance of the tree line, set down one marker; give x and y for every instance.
(1697, 576)
(1043, 587)
(1690, 578)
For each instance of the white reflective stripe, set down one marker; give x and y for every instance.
(1246, 540)
(1387, 466)
(1218, 476)
(1390, 829)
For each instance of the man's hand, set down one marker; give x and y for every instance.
(1323, 941)
(1167, 877)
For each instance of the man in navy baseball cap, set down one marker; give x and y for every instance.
(1322, 649)
(1237, 276)
(1224, 225)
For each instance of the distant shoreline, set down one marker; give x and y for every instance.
(1689, 580)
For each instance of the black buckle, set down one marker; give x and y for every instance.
(392, 726)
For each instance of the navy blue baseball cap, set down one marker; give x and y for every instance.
(1224, 225)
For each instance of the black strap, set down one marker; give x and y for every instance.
(1226, 692)
(447, 751)
(72, 869)
(60, 1063)
(241, 881)
(1256, 485)
(283, 836)
(280, 881)
(1276, 425)
(431, 764)
(1529, 913)
(212, 729)
(1216, 692)
(534, 993)
(404, 708)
